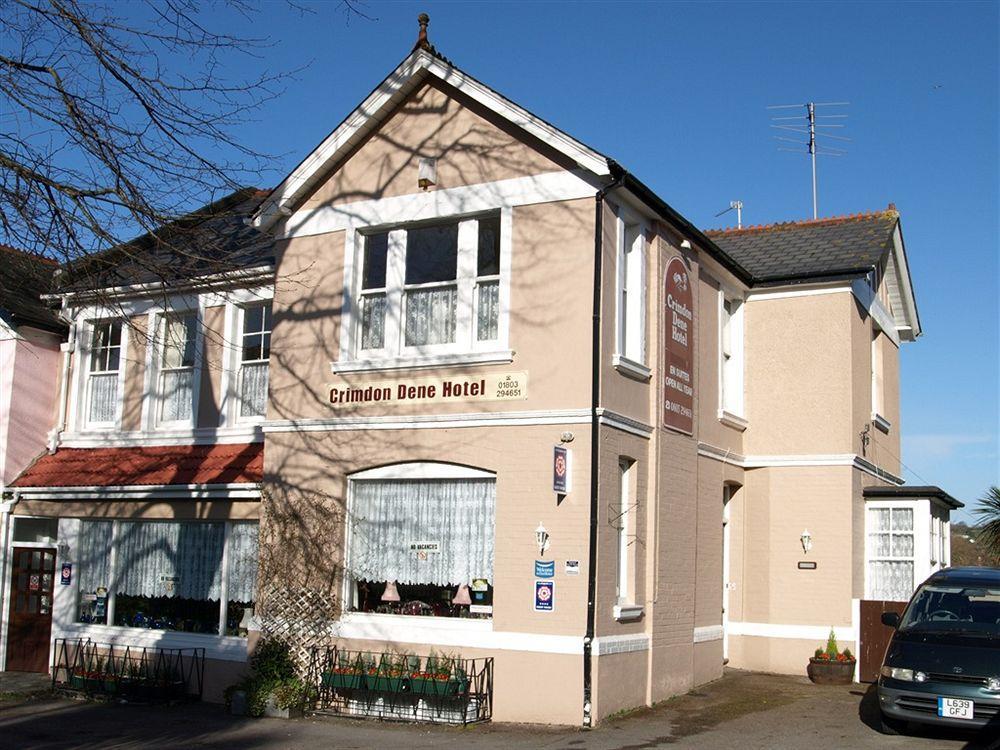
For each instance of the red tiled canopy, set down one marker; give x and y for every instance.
(160, 465)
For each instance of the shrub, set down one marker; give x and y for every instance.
(272, 672)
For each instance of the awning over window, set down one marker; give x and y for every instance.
(160, 465)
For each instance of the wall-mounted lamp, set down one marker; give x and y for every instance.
(541, 538)
(64, 550)
(807, 541)
(426, 173)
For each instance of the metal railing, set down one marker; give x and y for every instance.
(401, 687)
(137, 673)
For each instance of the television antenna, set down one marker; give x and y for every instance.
(738, 207)
(814, 126)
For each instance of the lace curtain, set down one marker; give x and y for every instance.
(176, 392)
(489, 310)
(94, 556)
(430, 316)
(253, 389)
(373, 321)
(103, 397)
(890, 537)
(891, 580)
(151, 555)
(388, 516)
(243, 546)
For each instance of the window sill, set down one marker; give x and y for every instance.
(627, 612)
(404, 628)
(225, 647)
(731, 420)
(881, 422)
(502, 356)
(630, 368)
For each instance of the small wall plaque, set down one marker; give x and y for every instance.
(807, 565)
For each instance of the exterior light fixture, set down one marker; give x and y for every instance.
(391, 593)
(426, 173)
(64, 550)
(807, 540)
(541, 538)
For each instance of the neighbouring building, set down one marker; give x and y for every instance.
(487, 394)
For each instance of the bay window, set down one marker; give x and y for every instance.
(193, 577)
(103, 372)
(891, 553)
(430, 288)
(255, 354)
(421, 546)
(176, 377)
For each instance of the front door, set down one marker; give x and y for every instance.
(30, 621)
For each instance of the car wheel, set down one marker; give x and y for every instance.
(891, 725)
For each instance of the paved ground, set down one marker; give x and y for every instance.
(743, 710)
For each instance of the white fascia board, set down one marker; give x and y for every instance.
(234, 491)
(799, 290)
(910, 322)
(373, 110)
(870, 301)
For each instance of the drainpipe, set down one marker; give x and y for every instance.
(595, 402)
(67, 348)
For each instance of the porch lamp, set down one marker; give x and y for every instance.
(391, 593)
(426, 173)
(541, 538)
(807, 540)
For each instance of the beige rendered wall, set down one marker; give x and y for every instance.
(210, 391)
(471, 146)
(799, 393)
(884, 449)
(135, 372)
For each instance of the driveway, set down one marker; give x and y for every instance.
(743, 710)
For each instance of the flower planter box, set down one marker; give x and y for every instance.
(344, 681)
(831, 671)
(388, 684)
(431, 686)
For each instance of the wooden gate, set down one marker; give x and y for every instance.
(30, 623)
(874, 637)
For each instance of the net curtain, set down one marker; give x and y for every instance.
(387, 516)
(150, 555)
(243, 541)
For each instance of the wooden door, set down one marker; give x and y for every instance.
(30, 622)
(875, 636)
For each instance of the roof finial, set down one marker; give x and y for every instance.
(423, 19)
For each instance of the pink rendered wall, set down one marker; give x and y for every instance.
(30, 368)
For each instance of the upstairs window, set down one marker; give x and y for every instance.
(103, 372)
(731, 355)
(428, 289)
(255, 354)
(631, 296)
(175, 382)
(878, 386)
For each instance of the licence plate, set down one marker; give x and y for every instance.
(956, 708)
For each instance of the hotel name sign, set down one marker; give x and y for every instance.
(504, 386)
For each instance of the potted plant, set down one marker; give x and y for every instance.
(831, 666)
(442, 675)
(272, 688)
(346, 675)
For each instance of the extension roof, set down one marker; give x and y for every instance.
(145, 466)
(214, 239)
(843, 245)
(24, 277)
(907, 492)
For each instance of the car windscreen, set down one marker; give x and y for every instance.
(965, 610)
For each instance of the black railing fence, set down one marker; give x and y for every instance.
(139, 673)
(401, 687)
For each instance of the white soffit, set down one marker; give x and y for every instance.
(900, 288)
(383, 101)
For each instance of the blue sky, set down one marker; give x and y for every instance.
(677, 92)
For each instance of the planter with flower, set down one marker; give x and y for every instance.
(831, 666)
(441, 675)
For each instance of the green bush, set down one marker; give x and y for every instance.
(272, 672)
(831, 645)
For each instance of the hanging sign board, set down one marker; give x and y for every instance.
(544, 595)
(561, 469)
(504, 386)
(545, 568)
(678, 371)
(66, 577)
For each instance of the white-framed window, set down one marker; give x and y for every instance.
(188, 576)
(730, 355)
(104, 371)
(891, 551)
(427, 289)
(420, 541)
(624, 590)
(176, 371)
(630, 306)
(254, 359)
(878, 378)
